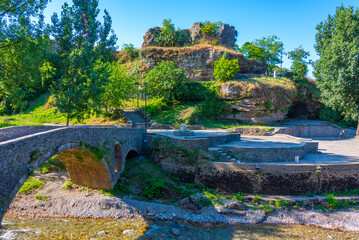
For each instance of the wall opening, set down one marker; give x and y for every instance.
(131, 154)
(300, 111)
(118, 158)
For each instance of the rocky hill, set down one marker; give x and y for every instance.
(196, 61)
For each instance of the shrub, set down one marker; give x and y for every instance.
(154, 188)
(210, 28)
(31, 184)
(281, 203)
(225, 69)
(195, 91)
(170, 37)
(256, 199)
(156, 105)
(333, 203)
(239, 196)
(166, 81)
(130, 51)
(68, 185)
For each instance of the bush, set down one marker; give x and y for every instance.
(195, 91)
(225, 69)
(166, 81)
(210, 28)
(170, 37)
(156, 105)
(31, 184)
(239, 196)
(130, 51)
(154, 188)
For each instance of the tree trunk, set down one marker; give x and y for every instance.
(67, 122)
(358, 129)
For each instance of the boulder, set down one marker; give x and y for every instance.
(195, 31)
(235, 205)
(193, 202)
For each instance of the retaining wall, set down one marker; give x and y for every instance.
(269, 179)
(329, 130)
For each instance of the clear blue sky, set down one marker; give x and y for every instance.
(293, 21)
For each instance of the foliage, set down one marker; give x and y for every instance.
(333, 116)
(53, 163)
(154, 188)
(31, 184)
(337, 70)
(23, 47)
(156, 105)
(333, 203)
(256, 198)
(266, 207)
(68, 185)
(86, 46)
(196, 91)
(239, 196)
(225, 69)
(166, 81)
(299, 66)
(210, 28)
(267, 49)
(130, 51)
(170, 37)
(120, 86)
(281, 203)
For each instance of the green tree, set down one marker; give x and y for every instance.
(299, 63)
(337, 70)
(120, 87)
(267, 49)
(85, 47)
(130, 51)
(166, 81)
(210, 28)
(225, 69)
(24, 43)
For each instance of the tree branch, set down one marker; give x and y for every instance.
(12, 8)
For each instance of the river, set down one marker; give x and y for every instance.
(27, 228)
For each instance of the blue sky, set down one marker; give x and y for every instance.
(293, 21)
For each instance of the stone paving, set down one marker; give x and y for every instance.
(331, 150)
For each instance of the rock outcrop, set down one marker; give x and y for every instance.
(226, 35)
(149, 38)
(197, 61)
(258, 101)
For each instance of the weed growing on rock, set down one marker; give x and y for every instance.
(239, 197)
(68, 185)
(31, 184)
(41, 197)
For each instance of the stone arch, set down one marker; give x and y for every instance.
(131, 154)
(118, 157)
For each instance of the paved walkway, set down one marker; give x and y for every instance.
(332, 150)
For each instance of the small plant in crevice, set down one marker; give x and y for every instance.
(256, 199)
(68, 185)
(281, 203)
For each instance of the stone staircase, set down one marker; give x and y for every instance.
(135, 118)
(222, 155)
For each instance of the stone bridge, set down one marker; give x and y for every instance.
(93, 156)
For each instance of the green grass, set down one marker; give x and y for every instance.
(68, 185)
(31, 184)
(41, 197)
(35, 114)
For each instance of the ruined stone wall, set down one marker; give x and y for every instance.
(196, 61)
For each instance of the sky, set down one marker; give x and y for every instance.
(293, 21)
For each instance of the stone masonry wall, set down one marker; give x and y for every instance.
(8, 133)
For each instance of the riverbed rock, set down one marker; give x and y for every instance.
(193, 202)
(235, 205)
(175, 232)
(128, 231)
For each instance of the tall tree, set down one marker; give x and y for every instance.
(86, 45)
(24, 43)
(337, 70)
(299, 63)
(267, 49)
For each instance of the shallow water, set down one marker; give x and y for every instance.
(26, 228)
